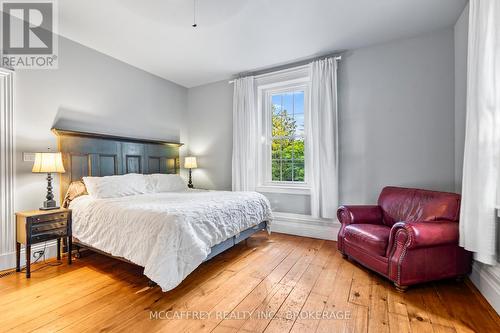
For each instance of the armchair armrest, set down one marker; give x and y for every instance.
(427, 234)
(367, 214)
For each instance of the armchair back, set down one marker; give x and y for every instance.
(410, 205)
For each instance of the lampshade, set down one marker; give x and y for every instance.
(48, 163)
(190, 162)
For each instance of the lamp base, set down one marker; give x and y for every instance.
(51, 208)
(49, 205)
(190, 182)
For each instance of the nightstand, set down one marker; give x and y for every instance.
(40, 226)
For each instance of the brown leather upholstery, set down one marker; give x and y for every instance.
(409, 205)
(369, 237)
(411, 236)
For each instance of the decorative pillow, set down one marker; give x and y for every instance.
(116, 186)
(165, 183)
(75, 190)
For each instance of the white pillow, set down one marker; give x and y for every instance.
(165, 183)
(116, 186)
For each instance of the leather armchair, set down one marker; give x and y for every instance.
(410, 237)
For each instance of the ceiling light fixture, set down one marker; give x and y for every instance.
(194, 25)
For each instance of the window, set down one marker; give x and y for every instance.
(287, 136)
(283, 108)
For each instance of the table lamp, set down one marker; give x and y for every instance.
(48, 163)
(190, 163)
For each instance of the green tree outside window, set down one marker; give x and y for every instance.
(287, 149)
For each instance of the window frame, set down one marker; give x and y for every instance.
(270, 85)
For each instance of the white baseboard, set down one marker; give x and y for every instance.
(8, 260)
(487, 282)
(306, 226)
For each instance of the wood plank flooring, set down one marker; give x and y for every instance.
(276, 283)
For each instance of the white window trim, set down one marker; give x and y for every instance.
(296, 78)
(294, 189)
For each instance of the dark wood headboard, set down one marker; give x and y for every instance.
(92, 154)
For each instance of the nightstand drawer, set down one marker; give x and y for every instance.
(38, 226)
(47, 226)
(52, 234)
(49, 217)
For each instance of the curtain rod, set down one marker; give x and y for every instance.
(283, 68)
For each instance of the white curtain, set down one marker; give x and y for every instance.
(244, 135)
(323, 138)
(482, 138)
(7, 221)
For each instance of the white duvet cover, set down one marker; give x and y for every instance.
(169, 234)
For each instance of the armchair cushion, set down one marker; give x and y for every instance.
(410, 205)
(370, 214)
(427, 234)
(372, 238)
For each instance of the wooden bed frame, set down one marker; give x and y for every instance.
(92, 154)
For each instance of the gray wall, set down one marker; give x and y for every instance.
(91, 92)
(397, 116)
(210, 125)
(460, 33)
(396, 105)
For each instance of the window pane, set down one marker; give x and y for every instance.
(292, 149)
(276, 149)
(276, 104)
(299, 125)
(298, 171)
(278, 126)
(276, 170)
(298, 115)
(297, 149)
(298, 102)
(286, 149)
(287, 170)
(288, 103)
(287, 142)
(284, 125)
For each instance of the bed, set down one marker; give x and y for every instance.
(168, 233)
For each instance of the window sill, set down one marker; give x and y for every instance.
(284, 189)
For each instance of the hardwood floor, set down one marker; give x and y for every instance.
(279, 283)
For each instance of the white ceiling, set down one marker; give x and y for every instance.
(236, 36)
